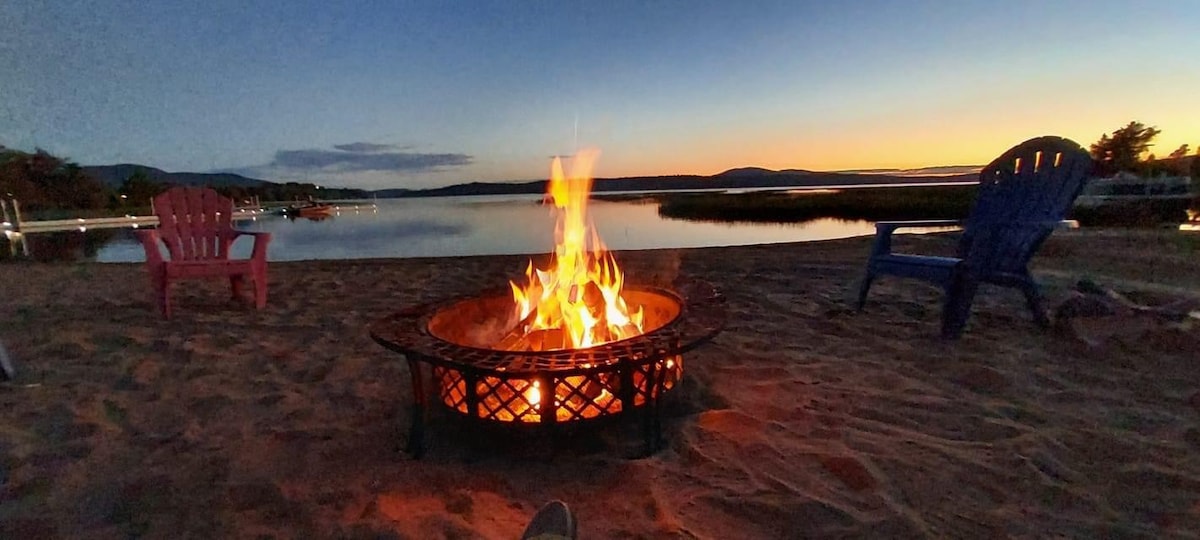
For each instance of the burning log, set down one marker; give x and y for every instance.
(576, 302)
(512, 340)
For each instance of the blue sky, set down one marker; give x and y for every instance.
(419, 94)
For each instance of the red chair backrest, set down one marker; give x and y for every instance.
(195, 223)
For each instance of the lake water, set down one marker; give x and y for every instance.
(483, 225)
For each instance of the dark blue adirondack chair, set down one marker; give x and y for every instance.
(1023, 195)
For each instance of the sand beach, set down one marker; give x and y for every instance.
(801, 419)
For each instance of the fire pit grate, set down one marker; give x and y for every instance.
(547, 388)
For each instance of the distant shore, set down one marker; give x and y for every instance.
(733, 180)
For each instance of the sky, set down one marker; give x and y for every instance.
(398, 94)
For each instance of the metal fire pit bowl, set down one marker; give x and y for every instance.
(515, 388)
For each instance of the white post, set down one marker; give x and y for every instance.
(4, 208)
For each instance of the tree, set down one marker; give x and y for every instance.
(42, 181)
(1122, 151)
(1178, 162)
(138, 189)
(1196, 165)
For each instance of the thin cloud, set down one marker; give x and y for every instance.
(340, 161)
(367, 148)
(358, 157)
(360, 164)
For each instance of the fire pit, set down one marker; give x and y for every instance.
(572, 344)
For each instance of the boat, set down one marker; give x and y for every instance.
(311, 210)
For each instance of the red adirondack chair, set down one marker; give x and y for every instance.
(196, 226)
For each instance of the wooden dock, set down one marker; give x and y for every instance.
(13, 222)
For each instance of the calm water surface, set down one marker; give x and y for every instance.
(489, 225)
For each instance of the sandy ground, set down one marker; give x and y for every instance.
(801, 419)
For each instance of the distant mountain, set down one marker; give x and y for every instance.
(472, 188)
(759, 171)
(746, 171)
(115, 175)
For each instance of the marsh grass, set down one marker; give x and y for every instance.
(893, 204)
(1144, 213)
(871, 204)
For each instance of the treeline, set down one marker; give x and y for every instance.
(141, 188)
(1128, 150)
(871, 204)
(290, 191)
(45, 183)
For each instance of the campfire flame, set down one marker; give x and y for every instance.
(576, 302)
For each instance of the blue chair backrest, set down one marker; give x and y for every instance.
(1033, 183)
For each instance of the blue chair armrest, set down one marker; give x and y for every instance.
(885, 229)
(893, 225)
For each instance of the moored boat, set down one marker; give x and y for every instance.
(312, 210)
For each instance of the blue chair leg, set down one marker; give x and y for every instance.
(960, 294)
(864, 286)
(1033, 299)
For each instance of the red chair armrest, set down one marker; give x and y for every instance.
(261, 240)
(151, 242)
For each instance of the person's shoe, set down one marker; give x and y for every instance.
(553, 522)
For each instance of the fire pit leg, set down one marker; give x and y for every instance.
(652, 426)
(652, 430)
(416, 430)
(651, 415)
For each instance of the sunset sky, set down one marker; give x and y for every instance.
(419, 94)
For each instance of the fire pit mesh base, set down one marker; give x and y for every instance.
(576, 397)
(580, 397)
(452, 388)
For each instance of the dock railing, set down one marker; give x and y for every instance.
(15, 224)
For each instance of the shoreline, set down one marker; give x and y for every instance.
(802, 418)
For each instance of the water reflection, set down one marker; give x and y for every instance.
(55, 246)
(454, 226)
